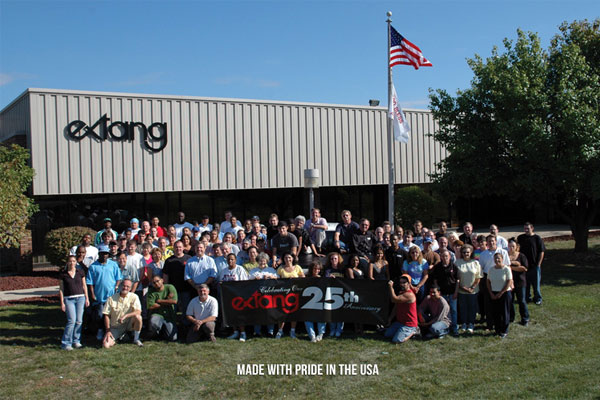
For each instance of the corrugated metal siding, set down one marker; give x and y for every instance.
(217, 144)
(15, 119)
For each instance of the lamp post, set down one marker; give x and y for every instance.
(311, 181)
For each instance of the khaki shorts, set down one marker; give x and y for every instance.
(118, 331)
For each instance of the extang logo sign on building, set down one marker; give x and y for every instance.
(153, 137)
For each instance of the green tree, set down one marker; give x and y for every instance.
(15, 206)
(529, 126)
(412, 203)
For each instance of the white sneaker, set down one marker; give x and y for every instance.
(235, 335)
(312, 338)
(319, 337)
(138, 343)
(77, 345)
(279, 335)
(243, 337)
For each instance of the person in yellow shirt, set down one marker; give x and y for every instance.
(122, 314)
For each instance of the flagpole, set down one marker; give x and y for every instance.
(390, 130)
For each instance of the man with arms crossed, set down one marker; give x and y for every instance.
(161, 300)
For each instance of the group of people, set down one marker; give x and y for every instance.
(163, 279)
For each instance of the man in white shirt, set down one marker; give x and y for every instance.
(502, 242)
(91, 253)
(181, 223)
(202, 313)
(234, 226)
(226, 225)
(205, 226)
(316, 228)
(134, 259)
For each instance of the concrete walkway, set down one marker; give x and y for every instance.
(25, 293)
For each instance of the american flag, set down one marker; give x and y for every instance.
(404, 52)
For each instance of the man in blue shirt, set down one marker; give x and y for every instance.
(200, 269)
(103, 278)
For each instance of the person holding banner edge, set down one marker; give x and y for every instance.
(405, 305)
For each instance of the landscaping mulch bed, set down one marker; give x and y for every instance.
(29, 281)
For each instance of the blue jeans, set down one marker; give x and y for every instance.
(438, 329)
(523, 309)
(336, 327)
(452, 302)
(467, 304)
(74, 310)
(258, 329)
(310, 328)
(534, 277)
(97, 316)
(158, 323)
(400, 333)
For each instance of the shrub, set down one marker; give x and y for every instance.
(412, 203)
(59, 242)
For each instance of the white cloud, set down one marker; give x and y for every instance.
(5, 78)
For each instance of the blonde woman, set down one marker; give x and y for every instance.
(287, 271)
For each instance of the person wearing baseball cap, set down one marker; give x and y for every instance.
(102, 278)
(107, 228)
(405, 304)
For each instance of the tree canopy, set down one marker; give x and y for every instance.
(529, 125)
(15, 206)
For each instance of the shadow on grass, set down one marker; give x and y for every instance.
(563, 267)
(32, 324)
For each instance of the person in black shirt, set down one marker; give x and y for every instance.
(363, 242)
(466, 236)
(342, 238)
(395, 256)
(445, 275)
(173, 273)
(533, 247)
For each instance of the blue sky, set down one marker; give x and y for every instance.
(315, 51)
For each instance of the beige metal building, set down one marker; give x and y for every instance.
(150, 154)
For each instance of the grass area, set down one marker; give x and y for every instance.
(556, 356)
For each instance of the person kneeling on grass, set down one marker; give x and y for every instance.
(434, 313)
(122, 314)
(161, 301)
(202, 313)
(406, 311)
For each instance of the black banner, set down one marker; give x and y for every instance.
(263, 302)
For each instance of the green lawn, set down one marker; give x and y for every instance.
(557, 356)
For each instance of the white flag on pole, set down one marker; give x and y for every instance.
(401, 128)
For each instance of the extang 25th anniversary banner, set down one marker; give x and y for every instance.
(264, 302)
